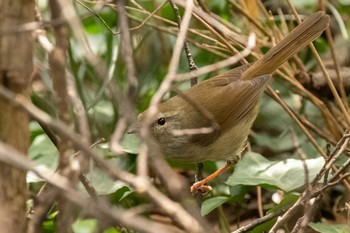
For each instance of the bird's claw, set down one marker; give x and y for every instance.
(199, 187)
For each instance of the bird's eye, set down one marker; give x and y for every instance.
(161, 121)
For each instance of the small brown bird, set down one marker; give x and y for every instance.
(212, 120)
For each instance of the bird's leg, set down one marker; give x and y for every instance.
(200, 185)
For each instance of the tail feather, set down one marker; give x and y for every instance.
(306, 32)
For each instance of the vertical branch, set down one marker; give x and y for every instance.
(82, 121)
(16, 65)
(127, 111)
(57, 62)
(127, 50)
(126, 104)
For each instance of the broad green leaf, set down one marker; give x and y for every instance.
(286, 175)
(212, 203)
(279, 143)
(329, 228)
(42, 151)
(131, 144)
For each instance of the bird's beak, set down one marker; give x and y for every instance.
(133, 129)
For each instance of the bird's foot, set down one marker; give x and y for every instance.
(200, 187)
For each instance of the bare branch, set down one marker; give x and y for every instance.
(140, 184)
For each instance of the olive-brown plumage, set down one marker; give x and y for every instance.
(233, 104)
(211, 121)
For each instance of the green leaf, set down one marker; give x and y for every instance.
(264, 227)
(43, 151)
(328, 228)
(287, 200)
(286, 175)
(49, 226)
(85, 226)
(237, 193)
(102, 183)
(211, 204)
(131, 144)
(278, 143)
(111, 230)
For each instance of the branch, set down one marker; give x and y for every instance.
(141, 185)
(98, 208)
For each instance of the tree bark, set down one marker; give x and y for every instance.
(15, 69)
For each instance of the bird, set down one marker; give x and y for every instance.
(212, 120)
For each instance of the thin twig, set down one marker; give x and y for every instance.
(188, 53)
(221, 64)
(259, 201)
(303, 157)
(258, 221)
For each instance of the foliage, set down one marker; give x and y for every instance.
(275, 166)
(327, 228)
(254, 170)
